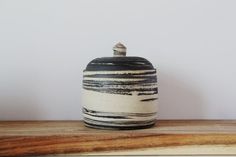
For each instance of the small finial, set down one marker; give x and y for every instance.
(119, 50)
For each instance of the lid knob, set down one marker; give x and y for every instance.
(119, 50)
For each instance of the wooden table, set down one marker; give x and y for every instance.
(168, 137)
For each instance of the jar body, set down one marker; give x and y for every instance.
(119, 98)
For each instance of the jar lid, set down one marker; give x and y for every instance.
(119, 62)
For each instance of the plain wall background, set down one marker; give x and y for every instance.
(46, 44)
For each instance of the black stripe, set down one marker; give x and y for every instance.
(119, 113)
(120, 90)
(151, 99)
(124, 75)
(122, 86)
(120, 122)
(148, 80)
(117, 127)
(106, 116)
(153, 93)
(118, 76)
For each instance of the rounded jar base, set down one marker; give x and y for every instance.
(106, 126)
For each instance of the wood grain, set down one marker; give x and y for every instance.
(31, 138)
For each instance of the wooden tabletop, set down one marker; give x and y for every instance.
(167, 137)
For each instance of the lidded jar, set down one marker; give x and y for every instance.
(119, 92)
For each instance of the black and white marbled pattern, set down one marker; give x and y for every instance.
(120, 92)
(143, 83)
(117, 120)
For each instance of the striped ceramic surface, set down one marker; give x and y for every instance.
(120, 93)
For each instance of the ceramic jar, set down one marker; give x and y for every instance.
(120, 92)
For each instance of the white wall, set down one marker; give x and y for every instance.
(45, 45)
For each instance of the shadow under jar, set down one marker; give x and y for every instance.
(119, 92)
